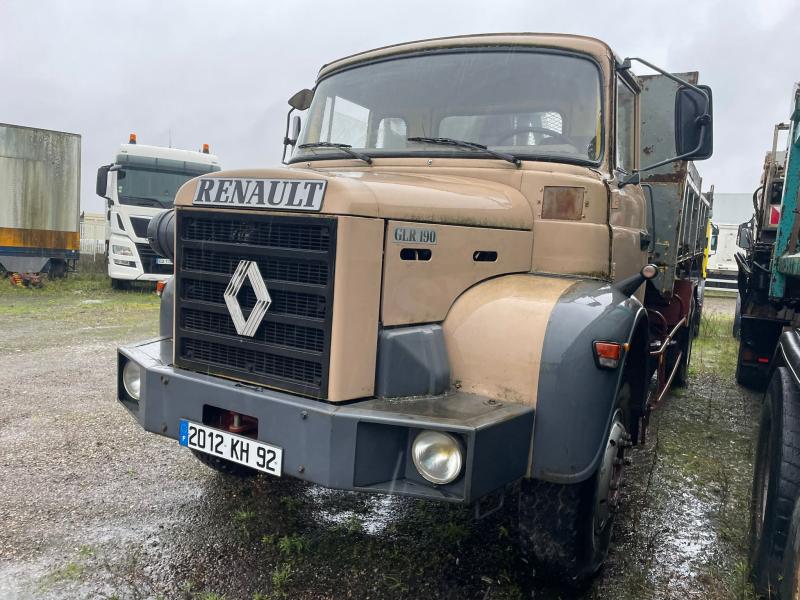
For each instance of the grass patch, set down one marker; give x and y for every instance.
(715, 350)
(79, 304)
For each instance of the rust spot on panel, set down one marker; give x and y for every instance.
(39, 238)
(665, 178)
(648, 150)
(563, 203)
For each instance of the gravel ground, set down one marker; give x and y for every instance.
(93, 507)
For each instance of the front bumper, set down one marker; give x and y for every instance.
(362, 446)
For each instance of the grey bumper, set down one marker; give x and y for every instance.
(362, 445)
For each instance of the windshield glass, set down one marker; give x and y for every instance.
(529, 104)
(147, 187)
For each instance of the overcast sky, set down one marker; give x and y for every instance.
(221, 72)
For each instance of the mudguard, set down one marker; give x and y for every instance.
(575, 398)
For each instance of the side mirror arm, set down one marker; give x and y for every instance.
(703, 120)
(286, 141)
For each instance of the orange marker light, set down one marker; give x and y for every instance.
(608, 354)
(132, 139)
(205, 148)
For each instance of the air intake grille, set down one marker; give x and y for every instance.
(290, 349)
(139, 225)
(150, 261)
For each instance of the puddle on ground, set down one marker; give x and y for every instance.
(377, 513)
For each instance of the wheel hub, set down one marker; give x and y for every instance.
(609, 478)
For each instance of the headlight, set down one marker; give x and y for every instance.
(132, 379)
(121, 250)
(437, 456)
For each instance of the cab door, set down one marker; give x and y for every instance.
(627, 211)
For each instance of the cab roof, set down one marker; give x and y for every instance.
(577, 43)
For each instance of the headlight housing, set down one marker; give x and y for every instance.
(121, 250)
(437, 456)
(132, 379)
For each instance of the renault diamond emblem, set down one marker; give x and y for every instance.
(247, 269)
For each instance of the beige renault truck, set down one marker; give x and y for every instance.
(442, 293)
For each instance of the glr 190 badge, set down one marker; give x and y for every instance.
(414, 235)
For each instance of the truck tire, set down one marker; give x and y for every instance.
(56, 268)
(223, 466)
(120, 284)
(565, 529)
(776, 482)
(686, 341)
(790, 585)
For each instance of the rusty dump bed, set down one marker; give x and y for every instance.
(679, 213)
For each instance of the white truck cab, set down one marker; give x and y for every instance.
(138, 185)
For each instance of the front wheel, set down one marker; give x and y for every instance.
(790, 585)
(566, 528)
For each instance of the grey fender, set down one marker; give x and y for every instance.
(575, 398)
(166, 313)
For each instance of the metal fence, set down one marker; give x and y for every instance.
(93, 247)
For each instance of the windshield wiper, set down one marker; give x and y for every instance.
(465, 144)
(149, 201)
(346, 148)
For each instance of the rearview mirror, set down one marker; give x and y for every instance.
(101, 187)
(694, 139)
(295, 129)
(744, 237)
(301, 100)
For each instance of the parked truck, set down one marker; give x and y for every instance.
(769, 277)
(139, 184)
(40, 173)
(442, 295)
(769, 268)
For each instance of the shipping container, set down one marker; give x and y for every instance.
(39, 200)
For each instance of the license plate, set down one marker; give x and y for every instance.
(163, 261)
(232, 447)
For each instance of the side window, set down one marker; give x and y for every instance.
(626, 126)
(391, 133)
(344, 122)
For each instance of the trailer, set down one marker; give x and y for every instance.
(39, 200)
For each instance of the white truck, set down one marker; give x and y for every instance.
(138, 185)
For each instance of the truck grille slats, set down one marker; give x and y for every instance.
(295, 256)
(276, 269)
(273, 234)
(150, 262)
(252, 362)
(292, 336)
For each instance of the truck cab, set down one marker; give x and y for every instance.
(442, 295)
(141, 183)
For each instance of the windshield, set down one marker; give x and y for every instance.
(529, 104)
(148, 187)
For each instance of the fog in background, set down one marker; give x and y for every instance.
(221, 72)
